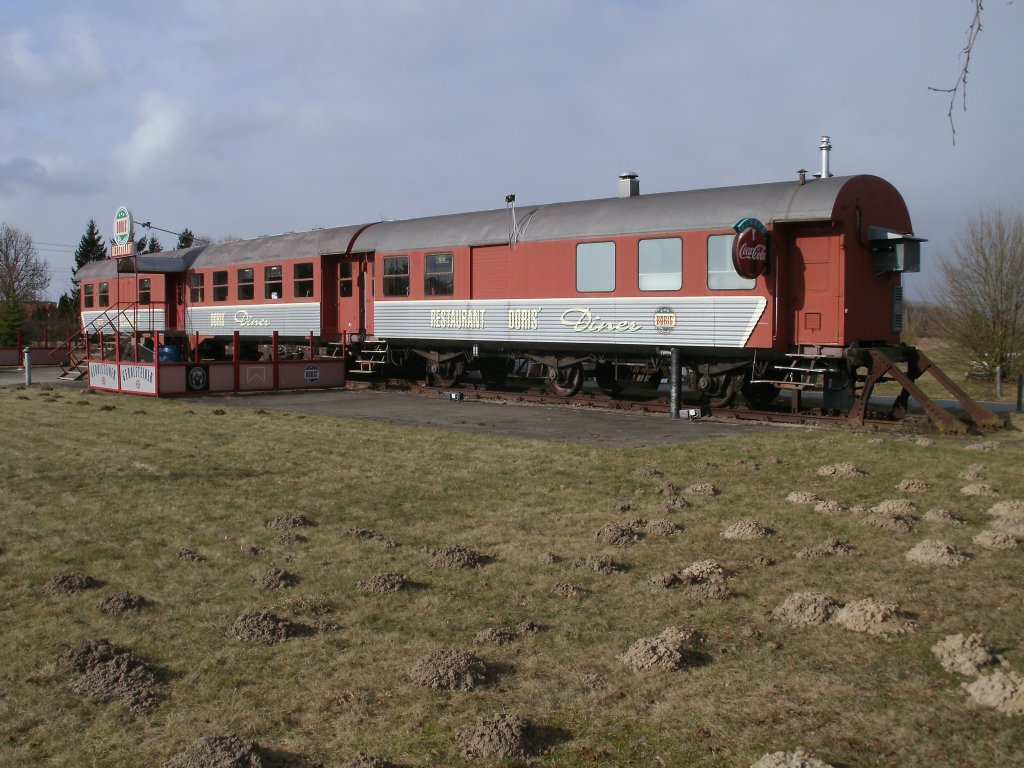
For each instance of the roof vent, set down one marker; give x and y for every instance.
(825, 146)
(629, 184)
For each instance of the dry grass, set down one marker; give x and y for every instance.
(116, 494)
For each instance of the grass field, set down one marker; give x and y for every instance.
(170, 501)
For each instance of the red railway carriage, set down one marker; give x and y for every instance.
(753, 287)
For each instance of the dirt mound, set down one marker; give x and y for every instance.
(802, 609)
(932, 552)
(797, 759)
(912, 485)
(218, 752)
(253, 549)
(68, 584)
(709, 591)
(121, 602)
(874, 617)
(803, 497)
(830, 507)
(660, 528)
(974, 472)
(843, 469)
(1010, 507)
(990, 539)
(287, 522)
(110, 673)
(597, 563)
(829, 548)
(547, 558)
(371, 535)
(942, 516)
(457, 557)
(702, 489)
(978, 489)
(889, 520)
(703, 571)
(500, 737)
(564, 589)
(505, 635)
(290, 537)
(1003, 691)
(617, 534)
(275, 578)
(674, 648)
(262, 627)
(746, 529)
(190, 555)
(449, 669)
(963, 655)
(385, 583)
(648, 472)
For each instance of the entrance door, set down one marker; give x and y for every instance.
(175, 302)
(814, 283)
(344, 284)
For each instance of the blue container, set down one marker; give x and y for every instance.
(169, 354)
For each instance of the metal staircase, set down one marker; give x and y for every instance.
(372, 356)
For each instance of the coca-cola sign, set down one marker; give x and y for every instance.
(750, 253)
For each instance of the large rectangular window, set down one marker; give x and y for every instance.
(722, 275)
(303, 280)
(272, 282)
(396, 276)
(660, 264)
(145, 289)
(439, 274)
(246, 291)
(595, 267)
(104, 294)
(220, 285)
(88, 294)
(197, 287)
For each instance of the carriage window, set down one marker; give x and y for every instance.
(721, 273)
(345, 279)
(272, 282)
(198, 290)
(145, 284)
(303, 274)
(661, 264)
(246, 291)
(220, 286)
(104, 294)
(396, 276)
(87, 294)
(595, 267)
(439, 275)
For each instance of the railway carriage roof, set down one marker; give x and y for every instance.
(703, 209)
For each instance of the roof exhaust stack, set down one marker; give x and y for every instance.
(629, 184)
(825, 148)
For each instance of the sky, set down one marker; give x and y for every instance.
(244, 118)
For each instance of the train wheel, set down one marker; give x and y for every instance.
(445, 374)
(567, 381)
(760, 394)
(719, 390)
(604, 374)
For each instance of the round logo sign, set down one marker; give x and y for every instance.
(664, 319)
(123, 229)
(750, 253)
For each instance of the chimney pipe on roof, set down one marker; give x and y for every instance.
(629, 184)
(825, 148)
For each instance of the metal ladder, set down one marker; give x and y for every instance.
(372, 355)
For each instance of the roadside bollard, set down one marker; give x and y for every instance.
(28, 366)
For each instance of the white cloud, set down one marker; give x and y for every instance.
(160, 130)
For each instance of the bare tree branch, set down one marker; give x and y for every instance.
(965, 56)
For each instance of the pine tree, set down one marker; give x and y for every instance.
(148, 245)
(90, 248)
(185, 239)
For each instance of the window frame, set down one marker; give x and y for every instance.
(589, 261)
(730, 280)
(219, 285)
(640, 267)
(145, 290)
(246, 284)
(273, 275)
(395, 284)
(88, 295)
(103, 295)
(434, 278)
(302, 285)
(196, 288)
